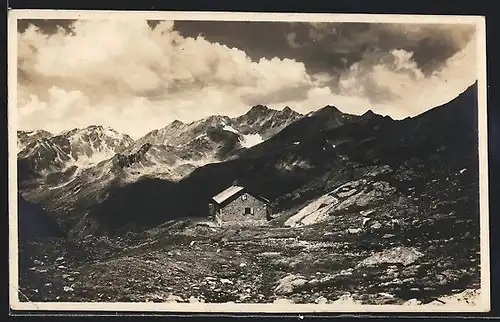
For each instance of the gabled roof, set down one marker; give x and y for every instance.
(226, 194)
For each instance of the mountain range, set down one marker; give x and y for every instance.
(71, 170)
(98, 181)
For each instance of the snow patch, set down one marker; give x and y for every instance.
(251, 140)
(85, 161)
(197, 163)
(230, 129)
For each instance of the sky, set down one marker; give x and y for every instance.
(136, 75)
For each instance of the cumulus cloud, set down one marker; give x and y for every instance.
(136, 77)
(142, 71)
(393, 84)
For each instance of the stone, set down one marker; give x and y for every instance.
(68, 289)
(346, 271)
(366, 212)
(289, 283)
(226, 281)
(412, 302)
(321, 300)
(174, 299)
(157, 298)
(354, 231)
(313, 282)
(386, 295)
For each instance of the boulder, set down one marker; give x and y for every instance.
(289, 283)
(321, 300)
(412, 302)
(316, 211)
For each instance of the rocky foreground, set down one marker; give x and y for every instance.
(420, 260)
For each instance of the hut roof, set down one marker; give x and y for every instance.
(227, 193)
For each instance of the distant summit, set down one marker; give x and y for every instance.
(24, 138)
(79, 147)
(327, 110)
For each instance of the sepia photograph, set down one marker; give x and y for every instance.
(239, 162)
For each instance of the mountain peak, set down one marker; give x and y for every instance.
(327, 110)
(177, 122)
(214, 119)
(96, 127)
(259, 108)
(368, 113)
(287, 109)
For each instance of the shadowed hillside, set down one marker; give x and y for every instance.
(439, 142)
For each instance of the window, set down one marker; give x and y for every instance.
(248, 211)
(244, 197)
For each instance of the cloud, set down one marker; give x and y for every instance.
(102, 63)
(326, 45)
(393, 84)
(137, 60)
(136, 76)
(381, 77)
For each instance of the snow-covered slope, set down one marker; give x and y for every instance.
(79, 148)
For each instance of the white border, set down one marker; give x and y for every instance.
(15, 304)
